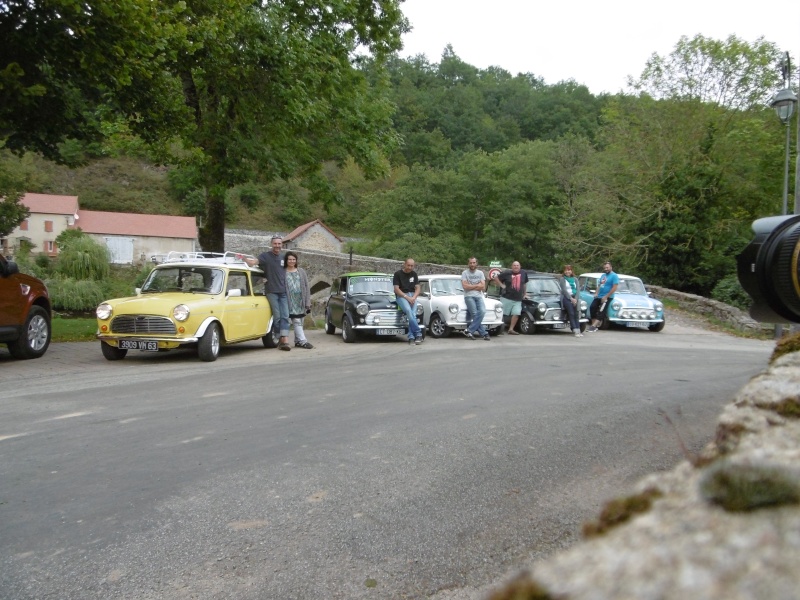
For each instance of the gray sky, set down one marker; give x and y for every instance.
(596, 43)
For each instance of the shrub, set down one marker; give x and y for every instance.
(83, 258)
(730, 291)
(74, 295)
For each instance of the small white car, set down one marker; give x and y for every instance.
(445, 311)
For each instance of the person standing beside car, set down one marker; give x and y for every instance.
(512, 284)
(299, 297)
(272, 263)
(474, 282)
(406, 288)
(605, 293)
(569, 299)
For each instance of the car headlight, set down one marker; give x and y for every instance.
(420, 310)
(498, 310)
(659, 307)
(616, 304)
(541, 307)
(362, 309)
(453, 308)
(180, 312)
(584, 306)
(104, 311)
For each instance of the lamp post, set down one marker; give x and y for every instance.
(783, 103)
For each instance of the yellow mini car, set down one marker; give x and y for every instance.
(200, 299)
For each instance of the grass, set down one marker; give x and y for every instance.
(73, 329)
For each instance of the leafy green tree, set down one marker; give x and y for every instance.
(63, 62)
(83, 258)
(12, 213)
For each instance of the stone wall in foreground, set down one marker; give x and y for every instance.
(723, 526)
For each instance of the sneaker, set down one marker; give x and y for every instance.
(578, 334)
(305, 345)
(469, 336)
(591, 329)
(487, 338)
(411, 342)
(418, 341)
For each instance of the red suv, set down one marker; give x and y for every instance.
(24, 312)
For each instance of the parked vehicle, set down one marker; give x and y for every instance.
(365, 304)
(444, 308)
(632, 306)
(541, 308)
(205, 301)
(25, 312)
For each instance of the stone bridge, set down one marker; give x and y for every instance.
(323, 267)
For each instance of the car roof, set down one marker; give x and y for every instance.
(620, 275)
(363, 273)
(540, 274)
(207, 259)
(441, 276)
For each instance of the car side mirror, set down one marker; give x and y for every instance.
(234, 293)
(137, 291)
(11, 268)
(426, 294)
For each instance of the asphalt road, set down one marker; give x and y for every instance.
(369, 470)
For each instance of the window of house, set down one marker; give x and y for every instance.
(49, 247)
(24, 225)
(48, 226)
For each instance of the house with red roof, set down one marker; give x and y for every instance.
(130, 238)
(314, 235)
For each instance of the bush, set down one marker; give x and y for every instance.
(83, 258)
(74, 295)
(730, 291)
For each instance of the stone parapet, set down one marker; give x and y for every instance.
(724, 525)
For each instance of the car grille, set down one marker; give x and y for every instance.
(388, 318)
(142, 324)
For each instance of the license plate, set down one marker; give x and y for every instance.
(144, 345)
(390, 331)
(637, 325)
(559, 325)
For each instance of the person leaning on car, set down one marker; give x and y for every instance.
(273, 264)
(406, 288)
(474, 282)
(512, 283)
(605, 293)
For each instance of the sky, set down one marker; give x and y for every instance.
(598, 43)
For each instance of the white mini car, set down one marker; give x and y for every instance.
(442, 299)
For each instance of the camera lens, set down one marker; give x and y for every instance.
(769, 269)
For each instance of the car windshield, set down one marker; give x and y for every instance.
(540, 286)
(446, 287)
(631, 286)
(204, 280)
(370, 285)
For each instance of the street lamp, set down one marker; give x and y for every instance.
(783, 103)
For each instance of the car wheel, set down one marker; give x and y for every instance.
(272, 338)
(499, 330)
(658, 326)
(348, 333)
(112, 352)
(35, 335)
(605, 324)
(208, 346)
(583, 327)
(437, 327)
(526, 324)
(330, 328)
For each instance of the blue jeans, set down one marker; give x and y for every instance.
(279, 303)
(475, 311)
(413, 327)
(571, 309)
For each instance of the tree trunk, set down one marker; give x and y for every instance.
(212, 234)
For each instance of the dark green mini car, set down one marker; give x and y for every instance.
(365, 304)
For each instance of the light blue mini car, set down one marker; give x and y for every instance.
(632, 305)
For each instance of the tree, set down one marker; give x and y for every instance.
(64, 64)
(12, 213)
(252, 87)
